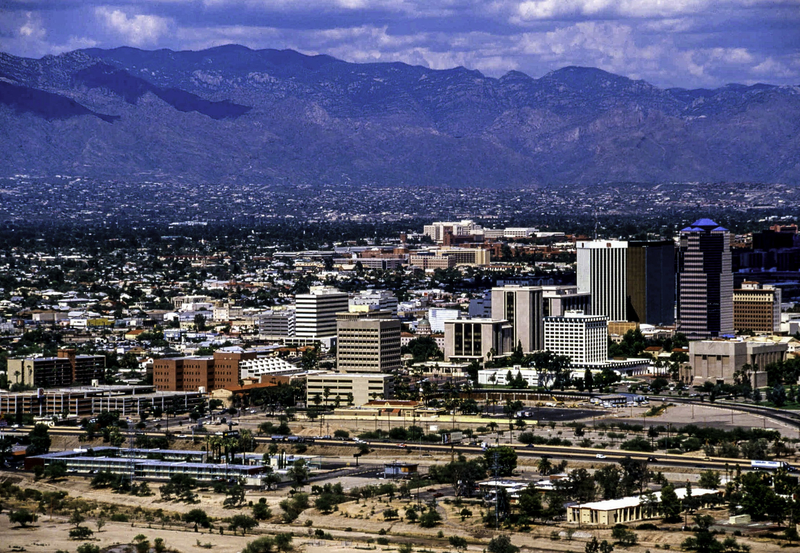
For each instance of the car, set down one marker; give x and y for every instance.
(402, 445)
(652, 459)
(529, 445)
(438, 494)
(600, 456)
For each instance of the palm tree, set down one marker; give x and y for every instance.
(493, 426)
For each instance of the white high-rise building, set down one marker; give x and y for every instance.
(315, 312)
(522, 307)
(583, 338)
(603, 273)
(438, 315)
(374, 300)
(276, 322)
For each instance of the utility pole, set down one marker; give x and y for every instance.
(496, 491)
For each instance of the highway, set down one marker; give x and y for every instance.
(553, 452)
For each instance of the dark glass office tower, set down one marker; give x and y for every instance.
(705, 281)
(651, 282)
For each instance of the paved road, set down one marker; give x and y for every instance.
(554, 452)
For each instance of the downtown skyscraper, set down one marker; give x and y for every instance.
(705, 281)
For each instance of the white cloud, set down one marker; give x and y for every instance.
(137, 30)
(533, 10)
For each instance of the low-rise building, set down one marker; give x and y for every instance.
(52, 372)
(476, 339)
(720, 360)
(358, 388)
(129, 401)
(630, 509)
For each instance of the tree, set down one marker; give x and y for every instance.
(592, 546)
(23, 517)
(390, 514)
(588, 380)
(457, 542)
(530, 503)
(200, 322)
(264, 544)
(261, 511)
(430, 518)
(246, 523)
(777, 395)
(670, 504)
(544, 466)
(80, 533)
(39, 440)
(502, 544)
(88, 548)
(709, 479)
(704, 541)
(283, 542)
(624, 536)
(198, 517)
(56, 470)
(609, 479)
(294, 506)
(502, 458)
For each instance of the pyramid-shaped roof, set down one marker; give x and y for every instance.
(705, 224)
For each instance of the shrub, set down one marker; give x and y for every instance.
(80, 533)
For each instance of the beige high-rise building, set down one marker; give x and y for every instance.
(522, 307)
(757, 308)
(366, 345)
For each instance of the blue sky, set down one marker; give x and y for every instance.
(686, 43)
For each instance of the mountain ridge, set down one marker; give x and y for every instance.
(231, 112)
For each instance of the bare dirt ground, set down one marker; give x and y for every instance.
(355, 526)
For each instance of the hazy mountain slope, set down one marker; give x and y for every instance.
(234, 113)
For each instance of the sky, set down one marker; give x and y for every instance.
(669, 43)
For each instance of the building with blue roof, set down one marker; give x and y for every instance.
(705, 281)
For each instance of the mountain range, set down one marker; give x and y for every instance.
(277, 116)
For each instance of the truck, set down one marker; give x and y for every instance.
(771, 465)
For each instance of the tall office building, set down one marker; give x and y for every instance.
(757, 307)
(374, 300)
(705, 281)
(602, 272)
(583, 338)
(437, 316)
(651, 282)
(366, 345)
(315, 312)
(522, 307)
(558, 299)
